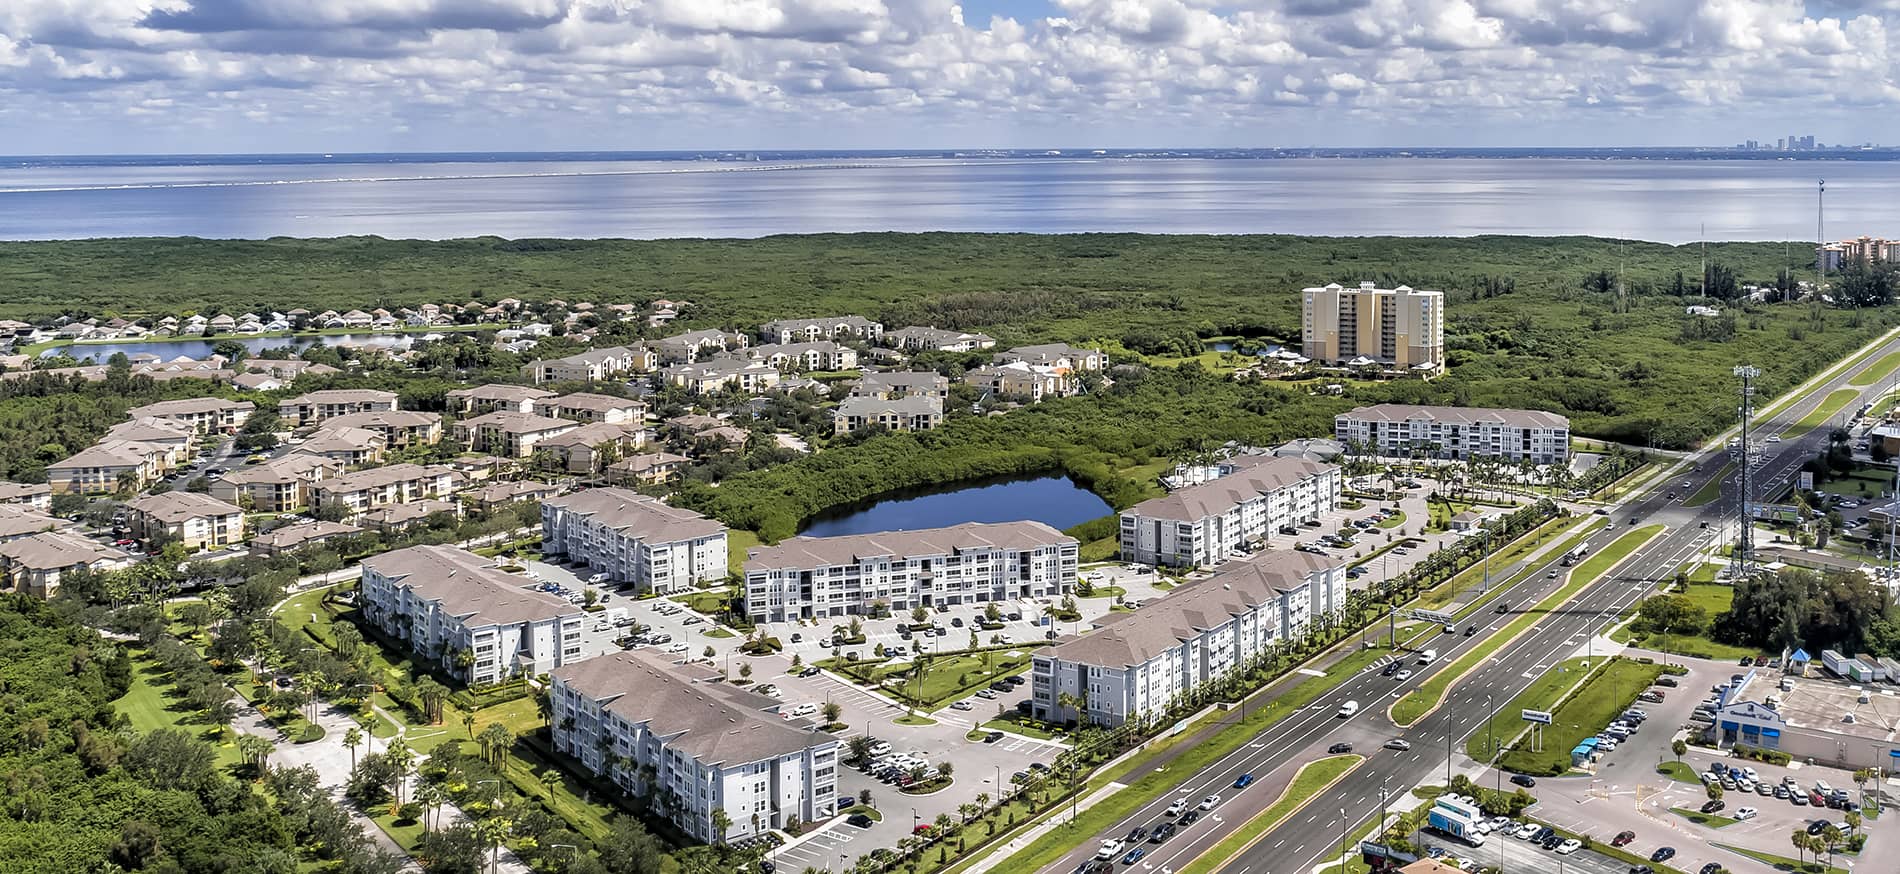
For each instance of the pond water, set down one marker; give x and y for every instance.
(169, 349)
(1053, 500)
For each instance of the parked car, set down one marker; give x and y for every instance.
(859, 820)
(1663, 854)
(1622, 839)
(1524, 780)
(1569, 846)
(1744, 813)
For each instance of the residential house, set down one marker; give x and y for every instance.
(912, 413)
(194, 520)
(836, 328)
(1140, 665)
(661, 731)
(252, 380)
(461, 612)
(972, 563)
(635, 539)
(510, 434)
(316, 406)
(33, 565)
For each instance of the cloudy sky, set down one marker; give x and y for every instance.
(143, 76)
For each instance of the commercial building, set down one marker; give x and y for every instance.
(1399, 328)
(837, 328)
(1845, 724)
(443, 601)
(194, 520)
(274, 486)
(381, 486)
(972, 563)
(1137, 665)
(510, 434)
(1245, 507)
(1460, 433)
(661, 731)
(33, 565)
(314, 407)
(635, 539)
(496, 396)
(910, 413)
(206, 415)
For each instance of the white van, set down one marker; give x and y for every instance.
(1428, 656)
(1822, 787)
(1349, 708)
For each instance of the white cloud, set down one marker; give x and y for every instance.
(75, 74)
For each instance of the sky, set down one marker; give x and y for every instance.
(233, 76)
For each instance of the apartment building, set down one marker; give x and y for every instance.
(400, 429)
(316, 406)
(894, 384)
(1023, 381)
(495, 495)
(653, 468)
(1401, 328)
(1063, 358)
(635, 539)
(935, 340)
(796, 357)
(33, 565)
(194, 520)
(381, 486)
(744, 375)
(972, 563)
(1136, 665)
(589, 407)
(836, 328)
(910, 413)
(1458, 433)
(205, 415)
(176, 436)
(690, 745)
(591, 448)
(102, 467)
(291, 538)
(1247, 506)
(349, 447)
(594, 365)
(38, 496)
(275, 486)
(510, 434)
(402, 517)
(699, 345)
(443, 601)
(498, 396)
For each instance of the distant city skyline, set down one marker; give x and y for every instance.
(269, 76)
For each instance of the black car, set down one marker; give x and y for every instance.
(992, 737)
(1663, 854)
(1818, 826)
(1338, 748)
(1642, 869)
(1525, 780)
(1390, 669)
(1187, 819)
(1713, 805)
(1711, 868)
(1471, 630)
(1138, 835)
(859, 820)
(1667, 681)
(810, 671)
(1552, 841)
(1543, 834)
(1163, 832)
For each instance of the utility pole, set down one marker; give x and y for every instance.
(1744, 543)
(1820, 236)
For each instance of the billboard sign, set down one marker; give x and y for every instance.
(1541, 717)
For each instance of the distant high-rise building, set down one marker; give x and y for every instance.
(1402, 327)
(1781, 145)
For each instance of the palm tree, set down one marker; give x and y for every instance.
(468, 722)
(432, 694)
(1800, 839)
(832, 710)
(1679, 747)
(432, 796)
(493, 831)
(256, 752)
(550, 778)
(352, 738)
(721, 822)
(347, 638)
(496, 740)
(400, 757)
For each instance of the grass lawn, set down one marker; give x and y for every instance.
(1507, 721)
(1105, 592)
(738, 540)
(1783, 863)
(1878, 371)
(1010, 724)
(1145, 782)
(1441, 511)
(1679, 772)
(1836, 399)
(1707, 820)
(716, 633)
(911, 719)
(951, 677)
(1867, 483)
(1103, 550)
(1312, 779)
(871, 812)
(1401, 543)
(1714, 598)
(1420, 701)
(708, 601)
(148, 703)
(1602, 698)
(1393, 521)
(1711, 489)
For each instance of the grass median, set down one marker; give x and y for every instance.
(1835, 401)
(1425, 698)
(1878, 371)
(1508, 721)
(1706, 820)
(1313, 778)
(1711, 489)
(1783, 863)
(1601, 699)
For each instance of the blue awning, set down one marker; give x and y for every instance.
(1731, 726)
(1771, 732)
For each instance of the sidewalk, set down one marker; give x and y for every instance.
(1000, 853)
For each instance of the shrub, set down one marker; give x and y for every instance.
(408, 813)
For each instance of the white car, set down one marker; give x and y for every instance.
(1774, 438)
(1178, 807)
(961, 705)
(1402, 676)
(1744, 813)
(1751, 775)
(1109, 849)
(1569, 846)
(678, 647)
(880, 748)
(805, 709)
(1525, 831)
(1209, 802)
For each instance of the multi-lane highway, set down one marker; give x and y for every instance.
(1313, 835)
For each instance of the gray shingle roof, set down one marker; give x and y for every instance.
(469, 586)
(1457, 416)
(1260, 475)
(715, 723)
(647, 518)
(808, 552)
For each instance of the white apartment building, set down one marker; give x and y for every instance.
(594, 365)
(1402, 328)
(1246, 506)
(836, 328)
(819, 355)
(381, 486)
(443, 601)
(662, 731)
(745, 375)
(194, 520)
(1062, 357)
(206, 415)
(699, 345)
(635, 539)
(891, 384)
(308, 409)
(510, 434)
(1457, 432)
(937, 340)
(1136, 664)
(972, 563)
(1018, 379)
(908, 413)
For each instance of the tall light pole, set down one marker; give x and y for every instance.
(1744, 545)
(1820, 236)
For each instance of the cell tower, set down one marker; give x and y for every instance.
(1744, 547)
(1820, 236)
